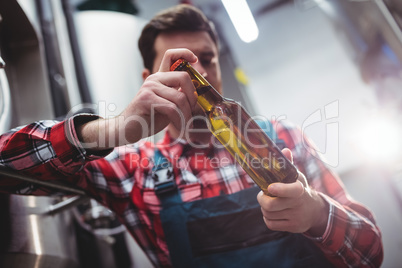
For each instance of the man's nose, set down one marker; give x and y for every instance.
(198, 66)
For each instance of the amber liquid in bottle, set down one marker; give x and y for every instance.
(240, 134)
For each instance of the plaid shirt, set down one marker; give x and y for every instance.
(122, 181)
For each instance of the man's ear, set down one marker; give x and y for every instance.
(145, 73)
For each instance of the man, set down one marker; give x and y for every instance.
(206, 214)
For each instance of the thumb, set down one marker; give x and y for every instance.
(172, 55)
(288, 154)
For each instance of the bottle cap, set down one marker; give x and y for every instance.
(176, 64)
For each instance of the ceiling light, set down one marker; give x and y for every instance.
(242, 19)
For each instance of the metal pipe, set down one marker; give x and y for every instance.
(66, 204)
(56, 186)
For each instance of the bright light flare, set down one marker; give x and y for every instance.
(242, 19)
(380, 140)
(36, 234)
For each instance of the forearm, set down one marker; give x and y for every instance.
(103, 134)
(97, 135)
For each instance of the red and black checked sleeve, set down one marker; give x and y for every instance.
(46, 150)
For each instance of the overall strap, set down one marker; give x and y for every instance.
(163, 176)
(269, 129)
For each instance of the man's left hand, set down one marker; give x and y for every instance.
(294, 207)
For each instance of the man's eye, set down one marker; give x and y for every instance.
(206, 62)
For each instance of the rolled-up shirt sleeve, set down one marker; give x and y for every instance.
(47, 150)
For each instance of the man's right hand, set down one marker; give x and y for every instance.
(165, 97)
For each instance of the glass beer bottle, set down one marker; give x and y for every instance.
(240, 134)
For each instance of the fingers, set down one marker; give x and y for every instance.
(288, 154)
(170, 110)
(179, 81)
(170, 94)
(295, 189)
(269, 203)
(175, 106)
(277, 212)
(172, 55)
(274, 204)
(278, 225)
(274, 211)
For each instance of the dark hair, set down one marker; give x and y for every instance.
(178, 18)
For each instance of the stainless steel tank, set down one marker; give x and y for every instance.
(32, 237)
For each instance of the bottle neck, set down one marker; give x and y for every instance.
(208, 96)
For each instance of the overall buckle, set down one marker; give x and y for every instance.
(164, 180)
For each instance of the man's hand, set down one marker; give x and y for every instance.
(295, 207)
(165, 97)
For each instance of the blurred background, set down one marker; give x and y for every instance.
(333, 67)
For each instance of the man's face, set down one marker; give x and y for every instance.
(201, 44)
